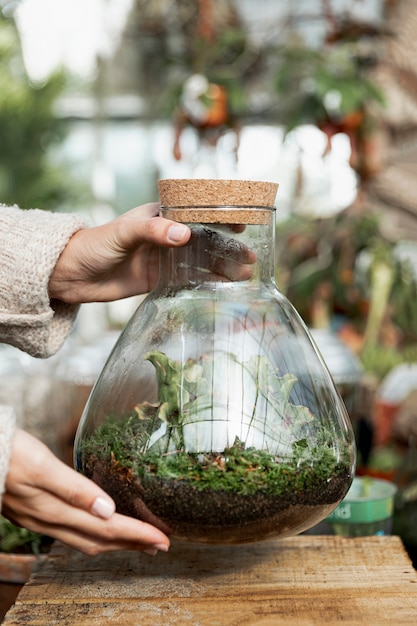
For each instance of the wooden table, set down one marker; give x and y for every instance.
(302, 580)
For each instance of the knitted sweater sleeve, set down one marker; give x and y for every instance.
(30, 244)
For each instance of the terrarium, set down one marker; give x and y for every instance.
(215, 418)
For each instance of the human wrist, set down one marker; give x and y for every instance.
(62, 281)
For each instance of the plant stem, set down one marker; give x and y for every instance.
(381, 283)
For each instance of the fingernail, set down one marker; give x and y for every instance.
(103, 508)
(150, 551)
(161, 547)
(177, 232)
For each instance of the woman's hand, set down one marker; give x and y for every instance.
(121, 258)
(45, 495)
(116, 260)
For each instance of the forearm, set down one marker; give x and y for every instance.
(30, 245)
(7, 430)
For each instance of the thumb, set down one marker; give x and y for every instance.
(144, 224)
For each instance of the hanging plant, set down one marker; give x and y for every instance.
(330, 88)
(217, 62)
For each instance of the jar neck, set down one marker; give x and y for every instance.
(227, 245)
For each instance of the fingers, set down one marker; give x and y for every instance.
(45, 495)
(82, 531)
(87, 533)
(33, 465)
(218, 256)
(219, 245)
(42, 472)
(74, 488)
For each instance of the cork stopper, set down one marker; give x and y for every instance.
(201, 200)
(199, 192)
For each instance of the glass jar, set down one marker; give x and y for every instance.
(344, 366)
(215, 418)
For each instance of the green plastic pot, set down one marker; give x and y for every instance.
(366, 509)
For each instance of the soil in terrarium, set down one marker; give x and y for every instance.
(240, 495)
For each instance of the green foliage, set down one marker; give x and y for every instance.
(184, 395)
(178, 386)
(386, 459)
(121, 439)
(245, 471)
(380, 359)
(316, 252)
(237, 469)
(346, 253)
(317, 84)
(404, 299)
(29, 130)
(16, 539)
(230, 60)
(310, 461)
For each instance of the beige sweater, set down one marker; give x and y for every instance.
(30, 244)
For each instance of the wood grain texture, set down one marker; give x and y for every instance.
(303, 580)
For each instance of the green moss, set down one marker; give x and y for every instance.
(237, 469)
(124, 445)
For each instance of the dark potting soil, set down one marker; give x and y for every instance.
(179, 508)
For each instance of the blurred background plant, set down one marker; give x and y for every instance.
(330, 87)
(30, 176)
(15, 539)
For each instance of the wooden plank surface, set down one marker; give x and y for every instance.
(304, 580)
